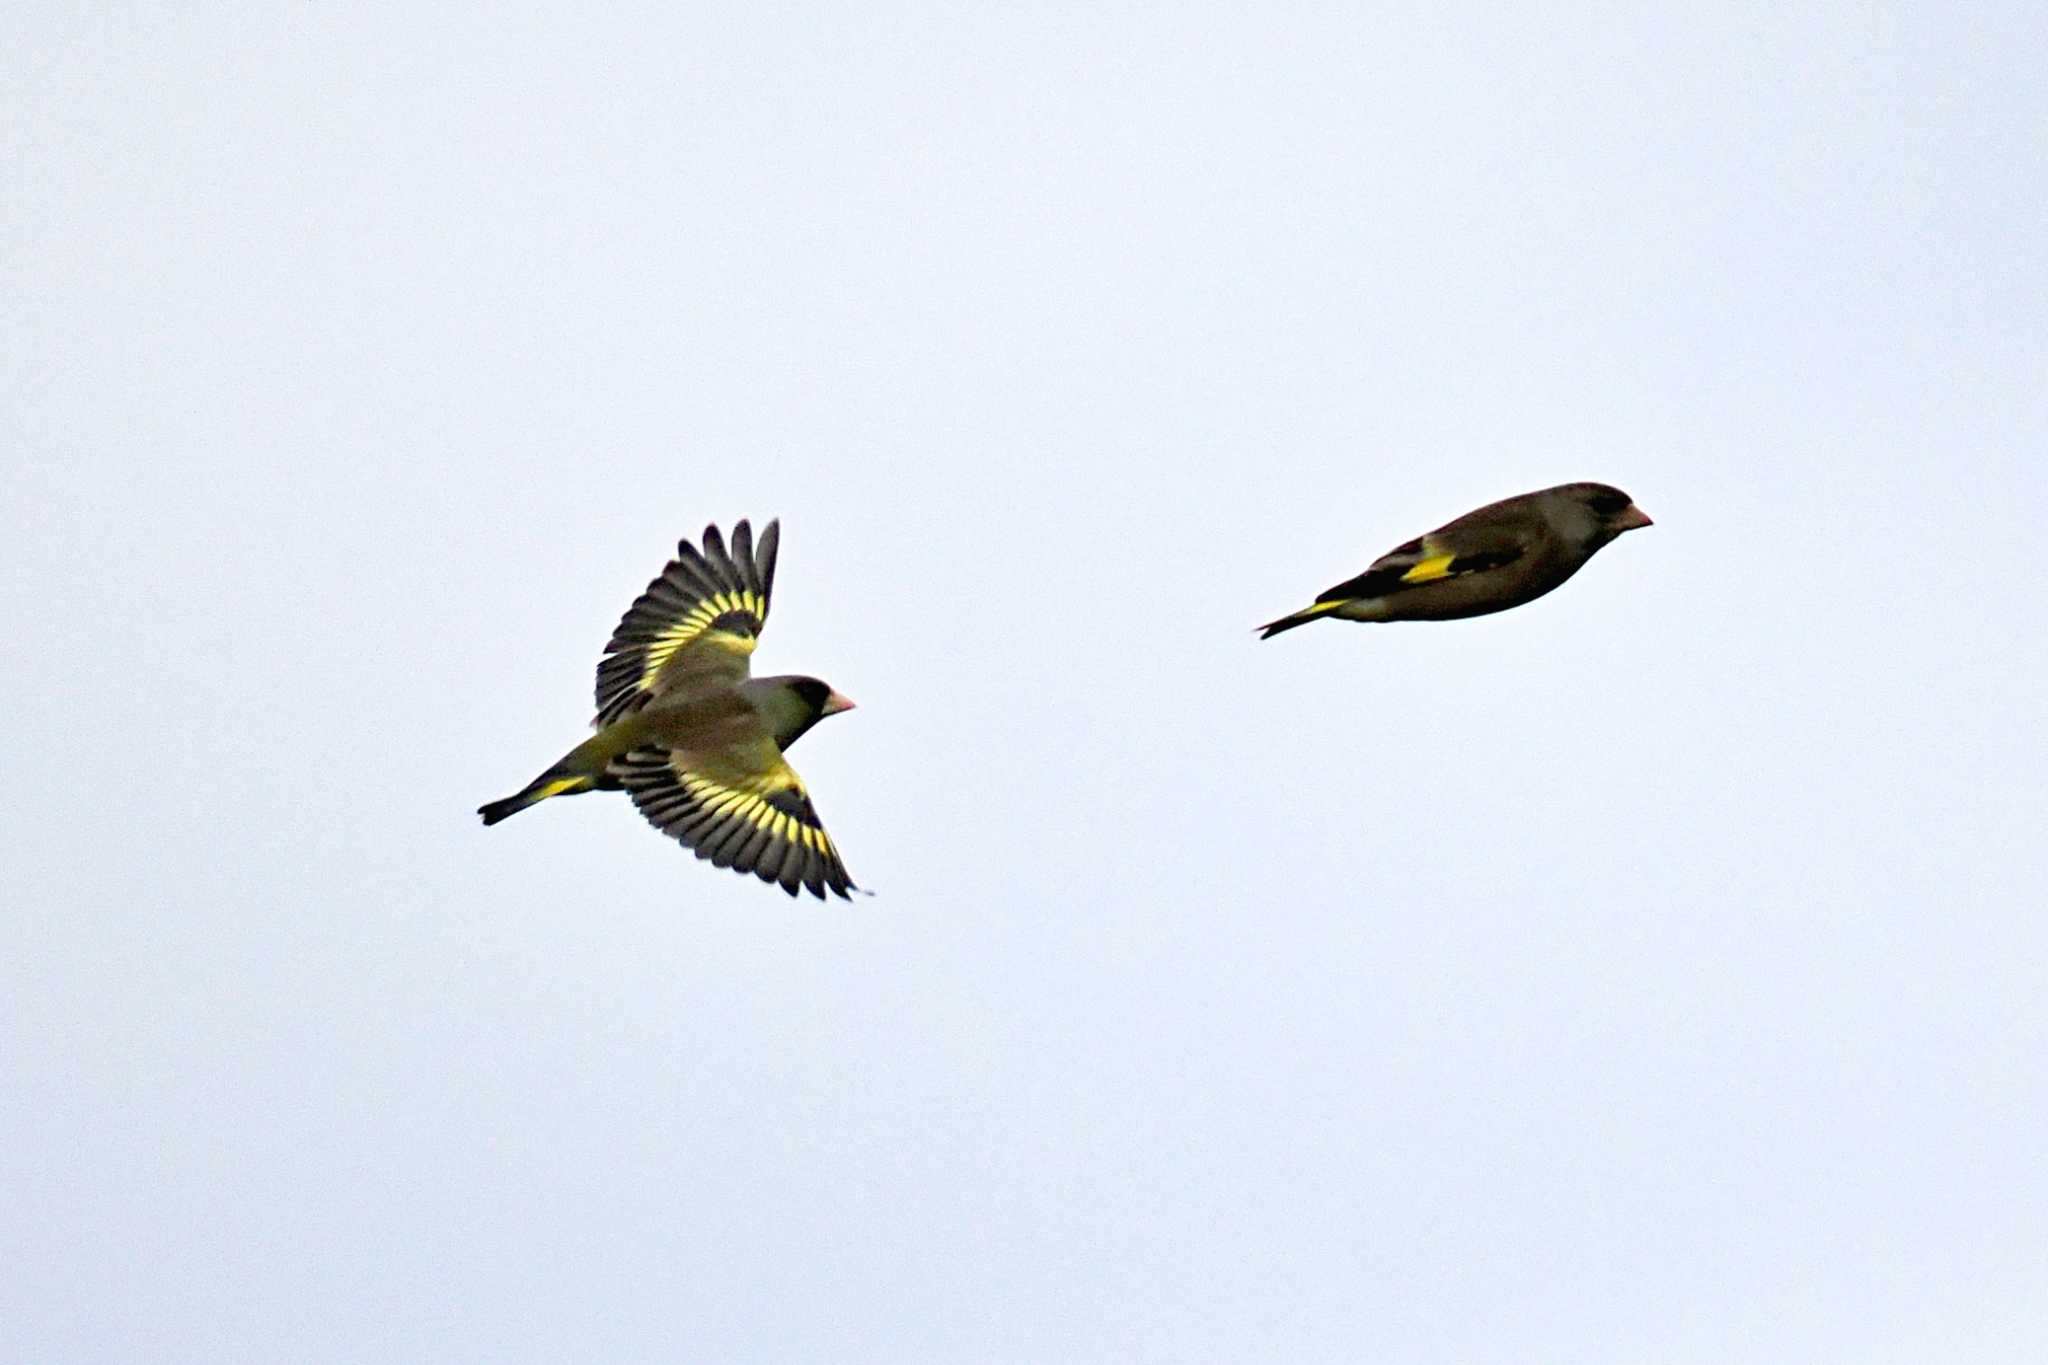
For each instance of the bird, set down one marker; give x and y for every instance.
(1503, 555)
(690, 737)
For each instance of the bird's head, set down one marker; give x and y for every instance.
(792, 704)
(1595, 513)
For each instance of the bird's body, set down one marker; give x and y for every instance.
(1500, 556)
(694, 741)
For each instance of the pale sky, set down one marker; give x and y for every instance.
(1655, 973)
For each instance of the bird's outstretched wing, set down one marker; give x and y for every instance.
(695, 625)
(742, 807)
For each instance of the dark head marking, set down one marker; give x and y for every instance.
(812, 691)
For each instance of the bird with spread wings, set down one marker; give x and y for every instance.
(694, 740)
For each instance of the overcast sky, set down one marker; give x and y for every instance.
(1653, 973)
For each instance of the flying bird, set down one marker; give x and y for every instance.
(1506, 553)
(690, 737)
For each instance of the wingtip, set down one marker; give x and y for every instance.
(767, 546)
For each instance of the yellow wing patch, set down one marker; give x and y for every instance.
(713, 600)
(760, 823)
(686, 631)
(751, 803)
(1430, 569)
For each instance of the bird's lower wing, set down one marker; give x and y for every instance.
(739, 807)
(695, 625)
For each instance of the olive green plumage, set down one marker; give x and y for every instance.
(1500, 556)
(693, 740)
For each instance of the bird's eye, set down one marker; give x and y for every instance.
(1607, 504)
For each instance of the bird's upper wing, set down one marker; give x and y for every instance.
(735, 801)
(1469, 545)
(694, 626)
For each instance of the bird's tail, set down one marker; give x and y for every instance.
(582, 769)
(539, 790)
(1299, 618)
